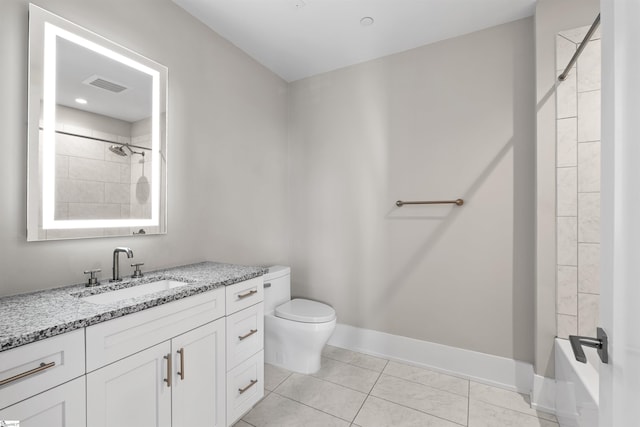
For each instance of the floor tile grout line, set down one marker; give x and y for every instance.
(330, 382)
(353, 364)
(281, 382)
(516, 410)
(430, 386)
(460, 377)
(333, 382)
(469, 403)
(433, 369)
(403, 378)
(369, 393)
(318, 409)
(419, 410)
(406, 406)
(315, 409)
(510, 408)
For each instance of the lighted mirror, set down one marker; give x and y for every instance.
(97, 135)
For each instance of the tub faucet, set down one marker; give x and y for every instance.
(601, 342)
(116, 262)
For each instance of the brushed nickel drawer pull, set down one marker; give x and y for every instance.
(247, 335)
(181, 373)
(248, 294)
(40, 368)
(168, 379)
(253, 382)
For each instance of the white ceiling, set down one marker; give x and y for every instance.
(301, 38)
(76, 64)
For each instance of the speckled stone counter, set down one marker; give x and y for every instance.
(34, 316)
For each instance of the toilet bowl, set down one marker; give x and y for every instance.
(295, 330)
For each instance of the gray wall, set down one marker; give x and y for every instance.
(551, 17)
(447, 120)
(227, 136)
(453, 119)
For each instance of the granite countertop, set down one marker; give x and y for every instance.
(31, 317)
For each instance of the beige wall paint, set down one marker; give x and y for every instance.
(227, 136)
(551, 17)
(447, 120)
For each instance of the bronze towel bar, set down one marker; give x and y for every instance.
(458, 202)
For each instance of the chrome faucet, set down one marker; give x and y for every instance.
(116, 262)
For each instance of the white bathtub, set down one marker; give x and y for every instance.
(577, 387)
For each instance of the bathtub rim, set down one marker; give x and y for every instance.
(586, 372)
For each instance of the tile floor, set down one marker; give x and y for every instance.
(353, 389)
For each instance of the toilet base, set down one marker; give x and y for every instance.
(295, 346)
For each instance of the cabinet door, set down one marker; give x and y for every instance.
(132, 392)
(199, 376)
(62, 406)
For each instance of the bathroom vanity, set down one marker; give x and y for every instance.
(189, 354)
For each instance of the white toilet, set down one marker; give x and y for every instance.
(295, 330)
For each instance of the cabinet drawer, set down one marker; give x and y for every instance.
(36, 367)
(245, 387)
(245, 334)
(118, 338)
(244, 294)
(63, 406)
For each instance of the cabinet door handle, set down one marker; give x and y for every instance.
(168, 379)
(248, 294)
(181, 373)
(253, 382)
(40, 368)
(248, 334)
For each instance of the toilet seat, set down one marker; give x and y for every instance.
(306, 311)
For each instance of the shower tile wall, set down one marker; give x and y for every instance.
(578, 186)
(94, 183)
(91, 181)
(140, 182)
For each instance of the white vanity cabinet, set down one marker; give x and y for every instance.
(42, 383)
(197, 361)
(62, 406)
(199, 388)
(175, 383)
(131, 391)
(245, 344)
(179, 381)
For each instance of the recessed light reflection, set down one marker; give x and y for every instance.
(81, 101)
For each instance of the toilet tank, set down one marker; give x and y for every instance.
(277, 287)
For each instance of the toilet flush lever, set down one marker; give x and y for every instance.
(267, 285)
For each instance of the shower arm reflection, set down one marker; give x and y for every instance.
(118, 149)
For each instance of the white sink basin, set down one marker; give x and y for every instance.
(133, 292)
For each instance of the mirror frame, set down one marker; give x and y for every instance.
(44, 29)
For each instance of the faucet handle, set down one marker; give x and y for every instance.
(93, 280)
(138, 272)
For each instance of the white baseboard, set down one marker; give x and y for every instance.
(543, 395)
(485, 368)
